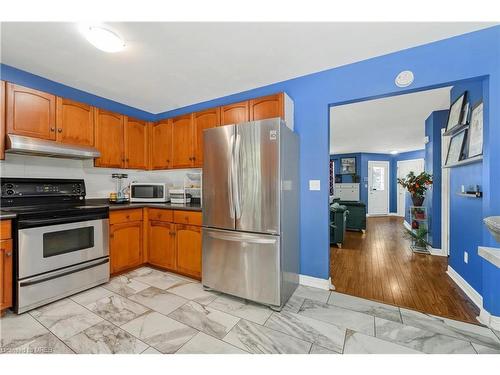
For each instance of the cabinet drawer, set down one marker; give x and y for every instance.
(187, 217)
(5, 230)
(161, 215)
(123, 216)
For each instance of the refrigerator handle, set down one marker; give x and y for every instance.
(237, 193)
(230, 178)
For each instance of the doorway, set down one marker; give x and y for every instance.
(378, 187)
(403, 168)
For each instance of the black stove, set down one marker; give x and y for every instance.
(61, 243)
(42, 198)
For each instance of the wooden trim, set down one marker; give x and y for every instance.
(145, 235)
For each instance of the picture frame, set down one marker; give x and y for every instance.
(456, 147)
(456, 114)
(347, 165)
(475, 135)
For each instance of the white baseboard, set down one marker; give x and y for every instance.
(438, 252)
(466, 287)
(315, 282)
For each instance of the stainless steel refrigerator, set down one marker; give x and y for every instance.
(251, 211)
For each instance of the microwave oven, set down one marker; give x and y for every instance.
(149, 192)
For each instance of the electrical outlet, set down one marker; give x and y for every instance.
(466, 257)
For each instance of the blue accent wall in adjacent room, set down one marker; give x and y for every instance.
(433, 125)
(438, 64)
(466, 214)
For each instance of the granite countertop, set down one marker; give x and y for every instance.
(7, 215)
(124, 206)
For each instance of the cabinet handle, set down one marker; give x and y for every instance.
(127, 217)
(111, 235)
(8, 254)
(59, 130)
(52, 129)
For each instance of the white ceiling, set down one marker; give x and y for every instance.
(171, 65)
(383, 125)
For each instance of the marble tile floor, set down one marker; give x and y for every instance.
(153, 312)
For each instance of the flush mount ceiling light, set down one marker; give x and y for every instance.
(394, 152)
(404, 79)
(103, 39)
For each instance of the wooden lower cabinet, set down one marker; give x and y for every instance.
(161, 244)
(188, 244)
(126, 245)
(5, 265)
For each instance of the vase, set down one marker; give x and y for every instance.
(418, 200)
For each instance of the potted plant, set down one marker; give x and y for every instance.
(418, 238)
(416, 186)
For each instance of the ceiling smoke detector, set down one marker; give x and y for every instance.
(404, 79)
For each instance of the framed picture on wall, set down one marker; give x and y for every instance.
(347, 165)
(457, 115)
(456, 147)
(476, 131)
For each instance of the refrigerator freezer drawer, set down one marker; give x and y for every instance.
(242, 264)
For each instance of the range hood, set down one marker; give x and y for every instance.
(18, 144)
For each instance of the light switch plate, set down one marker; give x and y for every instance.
(314, 185)
(466, 257)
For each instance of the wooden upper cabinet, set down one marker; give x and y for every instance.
(2, 120)
(31, 112)
(74, 122)
(136, 144)
(188, 245)
(161, 144)
(209, 118)
(234, 113)
(109, 139)
(182, 141)
(267, 107)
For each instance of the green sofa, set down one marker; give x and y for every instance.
(338, 217)
(356, 220)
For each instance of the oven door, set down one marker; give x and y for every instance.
(48, 248)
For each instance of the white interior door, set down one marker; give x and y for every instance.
(378, 187)
(405, 167)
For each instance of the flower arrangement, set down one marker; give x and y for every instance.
(416, 185)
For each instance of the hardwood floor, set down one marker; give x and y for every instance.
(380, 266)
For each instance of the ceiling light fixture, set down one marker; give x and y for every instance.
(103, 39)
(404, 78)
(394, 152)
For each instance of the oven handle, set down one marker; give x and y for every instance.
(29, 223)
(64, 272)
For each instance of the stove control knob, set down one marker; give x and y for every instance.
(10, 192)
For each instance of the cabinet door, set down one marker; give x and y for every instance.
(2, 120)
(182, 141)
(125, 245)
(161, 241)
(267, 107)
(188, 245)
(136, 144)
(161, 144)
(31, 112)
(234, 113)
(203, 120)
(74, 122)
(109, 139)
(5, 274)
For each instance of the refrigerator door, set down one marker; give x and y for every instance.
(257, 182)
(245, 265)
(218, 166)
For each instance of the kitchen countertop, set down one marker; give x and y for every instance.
(124, 206)
(7, 215)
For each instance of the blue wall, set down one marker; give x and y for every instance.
(437, 64)
(466, 214)
(362, 159)
(11, 74)
(433, 125)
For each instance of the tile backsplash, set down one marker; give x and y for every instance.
(97, 180)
